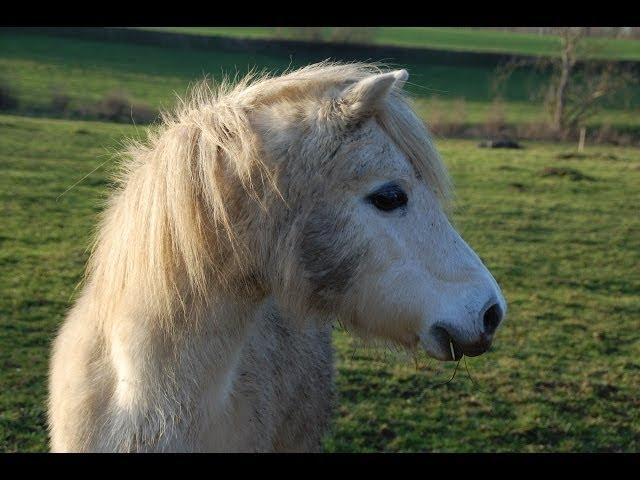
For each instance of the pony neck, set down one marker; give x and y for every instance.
(172, 373)
(159, 324)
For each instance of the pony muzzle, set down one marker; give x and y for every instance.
(453, 342)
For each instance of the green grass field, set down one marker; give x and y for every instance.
(564, 373)
(37, 66)
(457, 39)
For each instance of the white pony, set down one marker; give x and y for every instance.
(248, 223)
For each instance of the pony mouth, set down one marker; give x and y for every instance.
(454, 350)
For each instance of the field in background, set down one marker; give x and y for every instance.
(456, 39)
(42, 68)
(560, 232)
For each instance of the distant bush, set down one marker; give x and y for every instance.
(8, 98)
(607, 134)
(447, 120)
(312, 34)
(450, 119)
(536, 131)
(59, 102)
(495, 125)
(116, 106)
(444, 119)
(328, 34)
(603, 134)
(143, 113)
(352, 34)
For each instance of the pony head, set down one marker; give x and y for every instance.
(321, 188)
(364, 235)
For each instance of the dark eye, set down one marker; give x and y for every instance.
(389, 197)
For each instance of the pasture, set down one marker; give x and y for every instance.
(42, 68)
(446, 38)
(560, 232)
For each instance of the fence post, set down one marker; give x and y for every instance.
(583, 132)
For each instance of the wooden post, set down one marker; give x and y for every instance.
(583, 132)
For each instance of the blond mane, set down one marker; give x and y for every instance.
(155, 239)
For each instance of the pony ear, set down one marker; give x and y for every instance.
(401, 78)
(361, 99)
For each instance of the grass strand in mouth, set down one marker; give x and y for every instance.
(453, 353)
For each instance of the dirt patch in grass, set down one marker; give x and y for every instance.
(571, 173)
(508, 168)
(582, 156)
(500, 143)
(518, 187)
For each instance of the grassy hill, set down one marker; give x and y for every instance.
(445, 38)
(39, 68)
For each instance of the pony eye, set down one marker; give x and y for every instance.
(388, 198)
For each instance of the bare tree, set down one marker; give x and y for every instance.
(594, 85)
(581, 86)
(576, 85)
(570, 38)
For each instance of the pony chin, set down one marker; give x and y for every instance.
(375, 311)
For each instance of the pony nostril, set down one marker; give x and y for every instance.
(492, 318)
